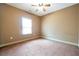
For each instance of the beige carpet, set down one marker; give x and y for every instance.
(40, 47)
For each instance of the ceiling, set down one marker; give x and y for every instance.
(31, 9)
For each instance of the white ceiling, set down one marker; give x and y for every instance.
(31, 9)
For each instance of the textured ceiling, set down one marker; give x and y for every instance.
(31, 9)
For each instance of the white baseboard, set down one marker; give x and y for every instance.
(66, 42)
(78, 45)
(10, 43)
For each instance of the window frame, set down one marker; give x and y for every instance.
(28, 27)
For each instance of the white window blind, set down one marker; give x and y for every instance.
(26, 26)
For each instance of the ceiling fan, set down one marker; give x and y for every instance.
(42, 5)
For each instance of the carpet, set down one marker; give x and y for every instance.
(40, 47)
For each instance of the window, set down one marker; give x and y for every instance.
(26, 26)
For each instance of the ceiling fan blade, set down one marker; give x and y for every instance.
(47, 5)
(41, 4)
(34, 5)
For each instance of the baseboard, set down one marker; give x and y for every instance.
(10, 43)
(78, 45)
(66, 42)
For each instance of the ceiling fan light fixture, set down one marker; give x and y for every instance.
(44, 6)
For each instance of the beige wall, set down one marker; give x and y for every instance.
(78, 24)
(10, 24)
(0, 29)
(61, 25)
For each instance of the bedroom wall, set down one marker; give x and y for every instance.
(11, 24)
(61, 25)
(78, 24)
(0, 29)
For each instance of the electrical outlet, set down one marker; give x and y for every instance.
(11, 38)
